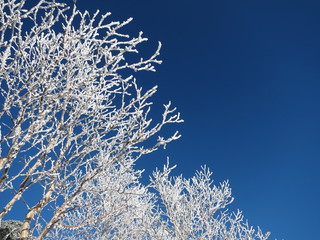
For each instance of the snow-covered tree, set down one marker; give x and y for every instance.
(73, 121)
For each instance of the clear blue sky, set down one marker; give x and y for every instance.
(246, 77)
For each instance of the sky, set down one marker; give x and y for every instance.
(245, 76)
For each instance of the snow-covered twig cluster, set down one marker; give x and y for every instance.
(73, 123)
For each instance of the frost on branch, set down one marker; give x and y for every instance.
(195, 208)
(66, 96)
(169, 208)
(73, 122)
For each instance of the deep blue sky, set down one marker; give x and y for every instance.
(246, 77)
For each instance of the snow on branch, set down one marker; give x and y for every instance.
(73, 122)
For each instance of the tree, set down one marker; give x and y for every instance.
(73, 123)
